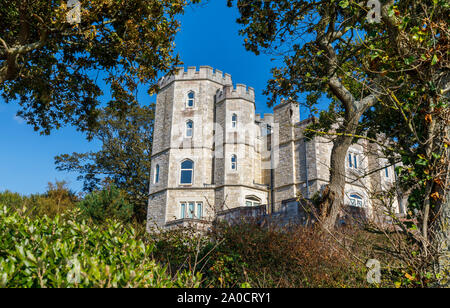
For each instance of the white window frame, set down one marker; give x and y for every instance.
(252, 201)
(353, 160)
(183, 210)
(192, 172)
(233, 163)
(234, 119)
(190, 99)
(199, 210)
(356, 200)
(189, 129)
(191, 210)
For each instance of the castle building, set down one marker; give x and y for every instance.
(212, 153)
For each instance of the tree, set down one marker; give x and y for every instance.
(414, 60)
(393, 72)
(321, 44)
(124, 158)
(51, 64)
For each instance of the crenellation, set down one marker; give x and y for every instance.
(204, 72)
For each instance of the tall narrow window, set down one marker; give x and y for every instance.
(353, 160)
(189, 128)
(191, 99)
(233, 162)
(386, 171)
(191, 209)
(183, 210)
(187, 170)
(234, 120)
(199, 210)
(156, 174)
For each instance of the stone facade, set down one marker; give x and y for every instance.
(212, 153)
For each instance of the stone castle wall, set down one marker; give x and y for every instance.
(275, 162)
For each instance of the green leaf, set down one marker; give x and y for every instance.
(434, 60)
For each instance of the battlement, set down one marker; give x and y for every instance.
(267, 118)
(204, 72)
(240, 91)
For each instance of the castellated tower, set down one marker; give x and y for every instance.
(206, 148)
(285, 156)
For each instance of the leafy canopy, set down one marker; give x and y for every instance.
(54, 68)
(124, 158)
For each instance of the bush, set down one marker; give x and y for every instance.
(56, 200)
(66, 252)
(110, 202)
(246, 254)
(266, 257)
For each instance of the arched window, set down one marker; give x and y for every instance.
(156, 174)
(233, 162)
(252, 201)
(189, 128)
(356, 200)
(187, 171)
(190, 99)
(234, 120)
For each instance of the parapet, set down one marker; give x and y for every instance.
(204, 72)
(240, 91)
(268, 118)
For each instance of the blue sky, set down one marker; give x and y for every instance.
(208, 36)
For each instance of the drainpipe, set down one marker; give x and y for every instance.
(306, 170)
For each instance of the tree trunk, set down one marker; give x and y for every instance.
(443, 234)
(334, 199)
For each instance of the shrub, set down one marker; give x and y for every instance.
(110, 202)
(56, 200)
(66, 252)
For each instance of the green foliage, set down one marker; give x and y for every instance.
(66, 252)
(110, 202)
(248, 255)
(52, 66)
(56, 200)
(124, 158)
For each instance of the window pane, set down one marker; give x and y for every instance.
(199, 210)
(183, 210)
(187, 164)
(248, 203)
(191, 209)
(157, 174)
(386, 171)
(350, 160)
(186, 176)
(355, 161)
(191, 95)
